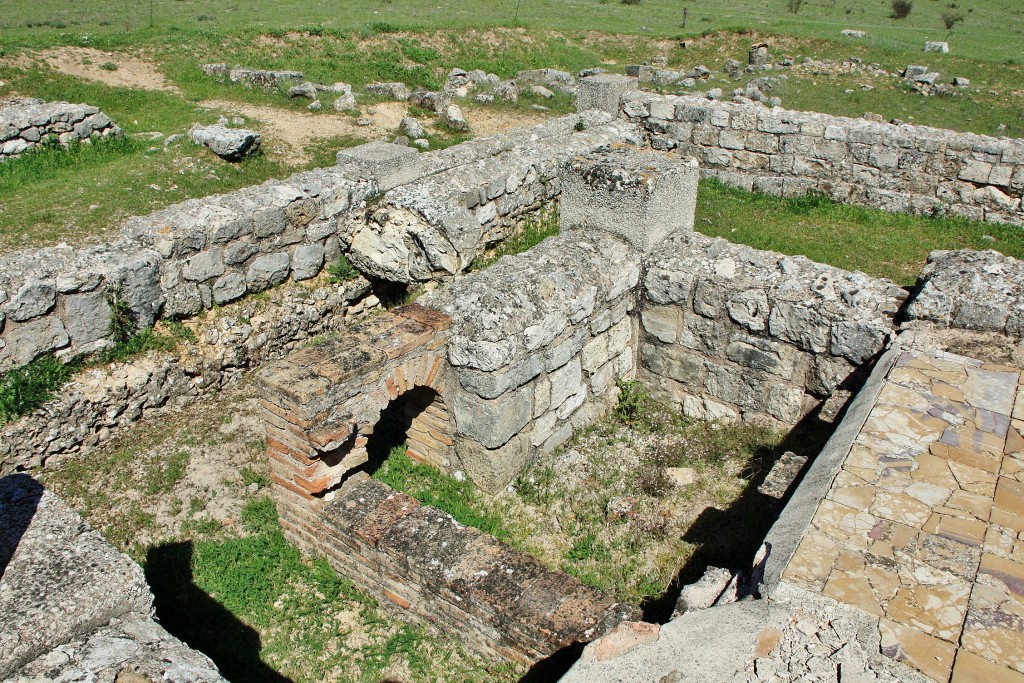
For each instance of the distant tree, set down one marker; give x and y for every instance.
(795, 5)
(951, 19)
(901, 8)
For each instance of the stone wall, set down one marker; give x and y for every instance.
(537, 343)
(436, 227)
(100, 402)
(191, 256)
(71, 607)
(903, 168)
(26, 123)
(732, 333)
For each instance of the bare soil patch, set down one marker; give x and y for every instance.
(95, 65)
(289, 133)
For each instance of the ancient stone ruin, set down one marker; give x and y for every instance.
(898, 553)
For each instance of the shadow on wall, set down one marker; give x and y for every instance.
(191, 615)
(19, 499)
(730, 538)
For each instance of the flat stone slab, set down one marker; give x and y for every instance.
(58, 578)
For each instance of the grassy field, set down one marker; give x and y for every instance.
(990, 30)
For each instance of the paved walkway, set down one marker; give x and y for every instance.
(924, 525)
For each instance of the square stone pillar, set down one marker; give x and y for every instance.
(640, 195)
(390, 165)
(603, 92)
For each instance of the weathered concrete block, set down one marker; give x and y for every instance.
(390, 165)
(641, 196)
(603, 92)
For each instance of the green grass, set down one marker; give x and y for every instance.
(854, 238)
(430, 486)
(534, 230)
(992, 29)
(24, 389)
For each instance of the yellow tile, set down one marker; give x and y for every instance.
(927, 654)
(937, 609)
(970, 668)
(934, 470)
(977, 505)
(1009, 496)
(899, 507)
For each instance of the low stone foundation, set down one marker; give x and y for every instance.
(26, 124)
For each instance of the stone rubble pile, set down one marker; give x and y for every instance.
(26, 124)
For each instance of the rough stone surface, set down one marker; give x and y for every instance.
(233, 144)
(69, 602)
(387, 164)
(975, 290)
(26, 123)
(737, 333)
(642, 196)
(603, 92)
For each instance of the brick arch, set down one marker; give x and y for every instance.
(329, 399)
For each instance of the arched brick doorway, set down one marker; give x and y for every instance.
(419, 419)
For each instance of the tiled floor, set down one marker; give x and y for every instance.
(924, 525)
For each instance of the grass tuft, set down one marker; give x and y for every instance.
(430, 486)
(24, 389)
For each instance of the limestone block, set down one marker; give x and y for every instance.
(603, 92)
(35, 298)
(86, 317)
(672, 362)
(494, 384)
(267, 270)
(595, 353)
(30, 340)
(492, 469)
(493, 422)
(761, 354)
(307, 261)
(641, 196)
(389, 165)
(54, 560)
(661, 322)
(228, 288)
(204, 265)
(565, 382)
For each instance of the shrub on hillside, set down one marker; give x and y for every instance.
(901, 8)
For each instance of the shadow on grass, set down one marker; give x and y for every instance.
(730, 538)
(191, 615)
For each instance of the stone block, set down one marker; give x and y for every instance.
(35, 298)
(267, 270)
(661, 322)
(603, 92)
(641, 196)
(492, 469)
(595, 353)
(29, 340)
(389, 165)
(86, 317)
(307, 261)
(565, 382)
(493, 422)
(494, 384)
(228, 288)
(672, 362)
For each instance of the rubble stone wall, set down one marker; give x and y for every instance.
(100, 402)
(902, 168)
(26, 124)
(537, 343)
(184, 259)
(731, 332)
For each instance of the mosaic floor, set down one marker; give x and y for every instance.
(924, 525)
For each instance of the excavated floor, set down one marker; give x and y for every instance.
(924, 525)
